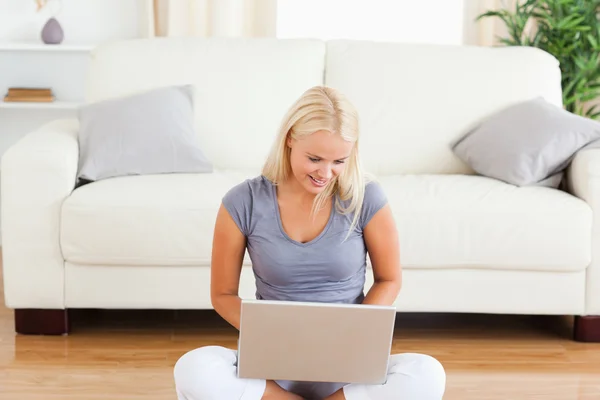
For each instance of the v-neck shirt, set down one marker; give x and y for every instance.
(328, 268)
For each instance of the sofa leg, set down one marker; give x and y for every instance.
(587, 329)
(41, 322)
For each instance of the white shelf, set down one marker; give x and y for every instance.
(38, 46)
(58, 105)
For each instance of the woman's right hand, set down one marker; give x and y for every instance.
(229, 247)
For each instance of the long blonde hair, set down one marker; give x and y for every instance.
(322, 108)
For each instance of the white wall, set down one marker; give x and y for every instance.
(83, 21)
(423, 21)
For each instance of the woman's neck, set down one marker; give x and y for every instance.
(292, 190)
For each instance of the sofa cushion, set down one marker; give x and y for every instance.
(144, 220)
(418, 99)
(151, 132)
(243, 86)
(466, 221)
(527, 142)
(452, 221)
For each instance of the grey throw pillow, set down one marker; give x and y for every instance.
(144, 133)
(528, 143)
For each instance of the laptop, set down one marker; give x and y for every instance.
(315, 342)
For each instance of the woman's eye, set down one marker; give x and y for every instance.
(313, 159)
(339, 162)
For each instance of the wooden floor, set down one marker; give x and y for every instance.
(130, 355)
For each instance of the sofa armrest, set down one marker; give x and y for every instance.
(37, 174)
(583, 181)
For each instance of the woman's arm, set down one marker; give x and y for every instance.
(229, 246)
(381, 238)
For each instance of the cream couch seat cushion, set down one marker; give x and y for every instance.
(445, 221)
(469, 221)
(164, 219)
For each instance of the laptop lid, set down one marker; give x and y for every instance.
(316, 342)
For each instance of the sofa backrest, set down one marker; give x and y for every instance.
(243, 87)
(414, 100)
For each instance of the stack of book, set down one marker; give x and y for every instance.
(35, 95)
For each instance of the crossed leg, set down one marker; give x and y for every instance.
(209, 373)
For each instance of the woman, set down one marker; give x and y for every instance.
(308, 223)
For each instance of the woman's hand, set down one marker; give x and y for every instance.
(229, 247)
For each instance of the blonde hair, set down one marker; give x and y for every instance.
(321, 108)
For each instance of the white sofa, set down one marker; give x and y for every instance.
(469, 243)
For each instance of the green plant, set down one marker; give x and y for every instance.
(569, 30)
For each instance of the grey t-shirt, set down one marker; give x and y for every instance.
(325, 269)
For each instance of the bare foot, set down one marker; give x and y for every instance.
(276, 392)
(339, 395)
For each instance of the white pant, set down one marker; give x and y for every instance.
(209, 373)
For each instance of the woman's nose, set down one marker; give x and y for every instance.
(326, 172)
